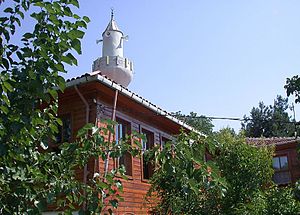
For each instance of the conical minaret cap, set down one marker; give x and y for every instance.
(112, 25)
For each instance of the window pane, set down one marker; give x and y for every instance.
(66, 129)
(59, 135)
(126, 160)
(148, 167)
(283, 162)
(276, 164)
(124, 128)
(282, 177)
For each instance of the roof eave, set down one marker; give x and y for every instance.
(140, 100)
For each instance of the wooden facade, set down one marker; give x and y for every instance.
(138, 116)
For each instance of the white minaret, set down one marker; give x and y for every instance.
(112, 63)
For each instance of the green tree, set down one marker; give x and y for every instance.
(200, 123)
(293, 87)
(183, 181)
(247, 169)
(30, 177)
(269, 121)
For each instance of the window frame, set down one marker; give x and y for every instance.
(282, 170)
(149, 130)
(128, 123)
(54, 144)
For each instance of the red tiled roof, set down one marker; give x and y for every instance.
(271, 141)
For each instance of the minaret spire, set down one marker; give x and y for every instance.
(112, 63)
(112, 13)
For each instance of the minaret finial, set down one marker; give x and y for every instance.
(112, 13)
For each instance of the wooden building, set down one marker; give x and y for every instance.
(286, 161)
(92, 98)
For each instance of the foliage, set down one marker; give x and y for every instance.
(282, 201)
(31, 176)
(183, 181)
(200, 123)
(238, 179)
(293, 87)
(273, 200)
(103, 187)
(247, 169)
(269, 121)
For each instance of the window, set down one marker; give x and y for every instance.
(65, 130)
(281, 167)
(64, 133)
(148, 167)
(123, 127)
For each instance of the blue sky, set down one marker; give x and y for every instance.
(216, 58)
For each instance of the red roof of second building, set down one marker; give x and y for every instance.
(271, 140)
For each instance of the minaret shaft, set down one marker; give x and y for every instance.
(112, 44)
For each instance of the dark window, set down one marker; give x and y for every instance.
(64, 133)
(123, 128)
(282, 174)
(148, 167)
(65, 130)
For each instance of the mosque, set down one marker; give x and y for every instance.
(103, 94)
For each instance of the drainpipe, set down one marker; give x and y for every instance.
(87, 116)
(113, 117)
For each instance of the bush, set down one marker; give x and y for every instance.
(247, 169)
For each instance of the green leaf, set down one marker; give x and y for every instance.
(4, 109)
(61, 83)
(103, 185)
(53, 93)
(75, 3)
(66, 59)
(59, 67)
(18, 21)
(8, 86)
(5, 63)
(74, 34)
(20, 56)
(39, 4)
(28, 35)
(21, 14)
(6, 34)
(3, 19)
(6, 100)
(72, 58)
(114, 203)
(81, 24)
(9, 10)
(85, 18)
(76, 45)
(81, 132)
